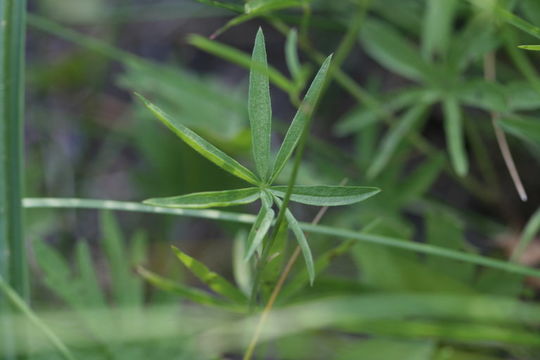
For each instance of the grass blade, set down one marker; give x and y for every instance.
(203, 200)
(240, 58)
(327, 195)
(214, 281)
(260, 108)
(453, 126)
(528, 234)
(301, 119)
(186, 292)
(202, 146)
(12, 249)
(394, 138)
(260, 227)
(19, 303)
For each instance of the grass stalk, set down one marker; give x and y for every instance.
(12, 254)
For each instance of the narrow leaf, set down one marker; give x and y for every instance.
(530, 47)
(207, 199)
(301, 118)
(394, 138)
(524, 127)
(260, 108)
(260, 227)
(262, 6)
(243, 271)
(327, 195)
(527, 236)
(437, 27)
(453, 126)
(214, 281)
(192, 294)
(200, 145)
(88, 277)
(302, 242)
(291, 55)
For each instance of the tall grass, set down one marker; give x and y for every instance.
(12, 259)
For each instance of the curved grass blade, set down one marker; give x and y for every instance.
(192, 294)
(240, 58)
(208, 199)
(301, 118)
(327, 195)
(394, 139)
(214, 281)
(200, 145)
(260, 227)
(453, 126)
(260, 108)
(399, 243)
(21, 305)
(302, 241)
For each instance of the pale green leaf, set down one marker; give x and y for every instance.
(259, 108)
(242, 270)
(192, 294)
(214, 281)
(395, 137)
(291, 55)
(324, 195)
(260, 227)
(208, 199)
(301, 119)
(524, 127)
(455, 137)
(530, 47)
(262, 6)
(200, 145)
(388, 47)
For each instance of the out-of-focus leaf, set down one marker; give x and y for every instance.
(421, 179)
(260, 108)
(208, 199)
(437, 28)
(243, 272)
(260, 227)
(527, 236)
(200, 145)
(327, 195)
(484, 95)
(214, 281)
(262, 6)
(385, 349)
(291, 55)
(394, 138)
(396, 53)
(523, 127)
(521, 96)
(93, 293)
(455, 137)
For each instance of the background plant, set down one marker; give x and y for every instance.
(426, 247)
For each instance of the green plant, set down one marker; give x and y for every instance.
(260, 115)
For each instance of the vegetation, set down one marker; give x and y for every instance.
(430, 105)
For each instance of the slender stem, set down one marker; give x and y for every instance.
(277, 289)
(490, 74)
(12, 254)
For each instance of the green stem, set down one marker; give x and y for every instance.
(12, 255)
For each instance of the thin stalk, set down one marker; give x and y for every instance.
(12, 255)
(277, 289)
(490, 74)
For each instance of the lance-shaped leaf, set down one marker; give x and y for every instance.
(302, 241)
(259, 108)
(200, 145)
(214, 281)
(260, 227)
(207, 199)
(327, 195)
(193, 294)
(291, 55)
(453, 126)
(301, 118)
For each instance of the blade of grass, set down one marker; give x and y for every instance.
(12, 249)
(527, 236)
(214, 281)
(200, 145)
(260, 108)
(316, 229)
(19, 303)
(207, 199)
